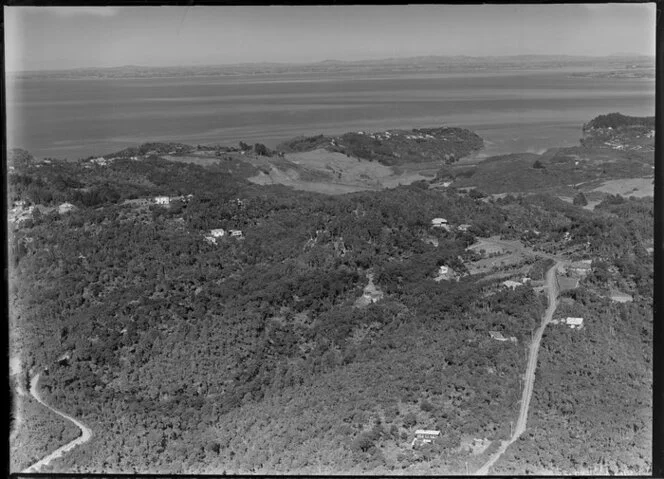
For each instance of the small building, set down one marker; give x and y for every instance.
(444, 272)
(162, 200)
(621, 297)
(463, 227)
(498, 336)
(19, 204)
(217, 233)
(235, 233)
(439, 222)
(372, 296)
(574, 322)
(511, 284)
(65, 208)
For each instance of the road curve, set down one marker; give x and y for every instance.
(86, 433)
(552, 294)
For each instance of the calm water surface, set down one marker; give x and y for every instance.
(513, 111)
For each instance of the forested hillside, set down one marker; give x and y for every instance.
(395, 147)
(252, 354)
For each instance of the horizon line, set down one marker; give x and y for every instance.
(333, 60)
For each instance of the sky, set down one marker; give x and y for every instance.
(51, 38)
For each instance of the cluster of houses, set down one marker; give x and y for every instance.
(442, 223)
(573, 323)
(101, 161)
(386, 135)
(166, 200)
(220, 233)
(21, 211)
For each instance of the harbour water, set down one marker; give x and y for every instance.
(513, 111)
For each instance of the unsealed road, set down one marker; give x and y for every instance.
(85, 436)
(552, 294)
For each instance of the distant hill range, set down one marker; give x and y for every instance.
(458, 63)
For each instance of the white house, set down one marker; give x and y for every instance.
(444, 272)
(162, 200)
(425, 436)
(217, 233)
(439, 222)
(236, 233)
(574, 322)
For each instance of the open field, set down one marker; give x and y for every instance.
(332, 173)
(638, 187)
(197, 160)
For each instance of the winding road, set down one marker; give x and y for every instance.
(552, 293)
(86, 433)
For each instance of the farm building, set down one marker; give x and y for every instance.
(217, 233)
(235, 233)
(162, 200)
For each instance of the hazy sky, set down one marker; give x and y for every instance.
(38, 38)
